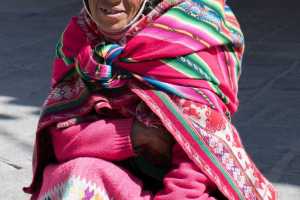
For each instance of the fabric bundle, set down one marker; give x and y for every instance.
(188, 49)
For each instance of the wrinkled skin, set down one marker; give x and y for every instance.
(113, 15)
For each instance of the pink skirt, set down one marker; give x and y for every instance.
(89, 178)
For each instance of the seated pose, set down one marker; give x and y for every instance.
(140, 107)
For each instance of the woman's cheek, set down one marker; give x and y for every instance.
(133, 6)
(93, 7)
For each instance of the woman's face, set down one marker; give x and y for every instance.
(113, 15)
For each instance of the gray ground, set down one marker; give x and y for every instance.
(268, 119)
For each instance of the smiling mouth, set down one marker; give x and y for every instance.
(110, 11)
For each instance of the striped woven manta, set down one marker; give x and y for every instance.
(192, 49)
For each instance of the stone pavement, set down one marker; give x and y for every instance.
(269, 115)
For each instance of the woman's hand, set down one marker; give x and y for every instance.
(154, 144)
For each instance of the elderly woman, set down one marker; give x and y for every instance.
(142, 96)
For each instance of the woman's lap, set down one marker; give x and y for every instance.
(90, 179)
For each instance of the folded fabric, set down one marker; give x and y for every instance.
(190, 49)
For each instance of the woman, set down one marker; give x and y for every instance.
(140, 107)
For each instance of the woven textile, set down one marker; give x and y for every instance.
(189, 49)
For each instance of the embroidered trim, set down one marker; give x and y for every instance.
(76, 188)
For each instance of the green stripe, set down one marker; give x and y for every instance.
(235, 58)
(182, 17)
(81, 73)
(66, 106)
(68, 75)
(219, 92)
(221, 12)
(182, 67)
(200, 143)
(193, 67)
(196, 15)
(203, 72)
(230, 26)
(195, 58)
(60, 54)
(200, 70)
(214, 6)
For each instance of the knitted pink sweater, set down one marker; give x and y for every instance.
(110, 140)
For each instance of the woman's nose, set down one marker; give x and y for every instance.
(112, 2)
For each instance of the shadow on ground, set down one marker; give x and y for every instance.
(268, 119)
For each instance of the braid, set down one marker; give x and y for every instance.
(150, 5)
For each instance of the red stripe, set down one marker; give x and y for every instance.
(188, 137)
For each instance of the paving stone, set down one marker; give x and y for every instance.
(268, 119)
(12, 181)
(256, 76)
(290, 178)
(289, 82)
(277, 52)
(275, 108)
(295, 163)
(287, 191)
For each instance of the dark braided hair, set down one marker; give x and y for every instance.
(150, 5)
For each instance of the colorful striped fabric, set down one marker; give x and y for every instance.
(96, 65)
(192, 28)
(213, 144)
(192, 49)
